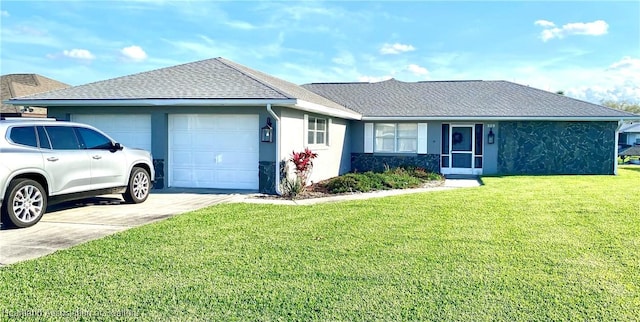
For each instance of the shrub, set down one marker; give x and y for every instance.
(292, 187)
(397, 178)
(303, 163)
(346, 183)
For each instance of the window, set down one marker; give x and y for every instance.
(62, 137)
(43, 138)
(93, 139)
(25, 135)
(316, 130)
(396, 137)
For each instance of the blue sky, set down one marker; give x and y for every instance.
(590, 50)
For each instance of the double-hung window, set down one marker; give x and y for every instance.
(316, 131)
(396, 137)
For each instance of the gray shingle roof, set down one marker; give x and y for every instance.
(291, 90)
(630, 152)
(630, 128)
(393, 98)
(215, 78)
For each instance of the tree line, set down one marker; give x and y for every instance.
(627, 106)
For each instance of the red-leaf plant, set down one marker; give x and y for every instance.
(303, 162)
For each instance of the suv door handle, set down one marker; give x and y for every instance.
(52, 159)
(97, 157)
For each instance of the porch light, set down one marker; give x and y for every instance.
(492, 137)
(267, 131)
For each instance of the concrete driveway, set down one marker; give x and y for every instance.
(68, 224)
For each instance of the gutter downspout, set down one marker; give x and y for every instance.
(615, 152)
(275, 117)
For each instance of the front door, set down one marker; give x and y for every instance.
(462, 149)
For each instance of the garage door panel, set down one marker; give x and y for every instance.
(238, 180)
(181, 158)
(181, 140)
(236, 160)
(203, 159)
(182, 175)
(232, 123)
(204, 176)
(180, 121)
(218, 151)
(238, 142)
(133, 131)
(238, 176)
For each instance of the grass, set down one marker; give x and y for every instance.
(626, 160)
(517, 248)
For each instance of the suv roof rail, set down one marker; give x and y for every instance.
(25, 119)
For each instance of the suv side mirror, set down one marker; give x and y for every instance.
(117, 147)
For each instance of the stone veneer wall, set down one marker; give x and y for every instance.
(267, 177)
(556, 147)
(362, 162)
(158, 165)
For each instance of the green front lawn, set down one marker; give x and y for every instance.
(518, 248)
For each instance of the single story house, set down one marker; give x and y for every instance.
(628, 152)
(16, 85)
(629, 134)
(208, 122)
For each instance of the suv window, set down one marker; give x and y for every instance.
(43, 138)
(93, 139)
(25, 135)
(63, 138)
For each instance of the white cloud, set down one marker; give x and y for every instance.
(79, 54)
(627, 63)
(417, 70)
(374, 79)
(344, 58)
(4, 13)
(397, 48)
(242, 25)
(596, 28)
(134, 53)
(545, 23)
(620, 81)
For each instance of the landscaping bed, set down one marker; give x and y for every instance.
(396, 178)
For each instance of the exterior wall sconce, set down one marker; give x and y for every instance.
(266, 135)
(491, 138)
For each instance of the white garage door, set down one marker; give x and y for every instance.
(213, 151)
(132, 131)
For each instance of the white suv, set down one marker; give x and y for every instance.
(47, 161)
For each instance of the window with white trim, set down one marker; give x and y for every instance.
(317, 131)
(396, 137)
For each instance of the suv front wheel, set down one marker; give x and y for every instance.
(25, 203)
(139, 186)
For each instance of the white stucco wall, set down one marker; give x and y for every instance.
(332, 160)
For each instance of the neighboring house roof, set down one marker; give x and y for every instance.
(458, 99)
(14, 85)
(211, 79)
(630, 152)
(630, 128)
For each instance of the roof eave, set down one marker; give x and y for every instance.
(150, 102)
(500, 118)
(324, 110)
